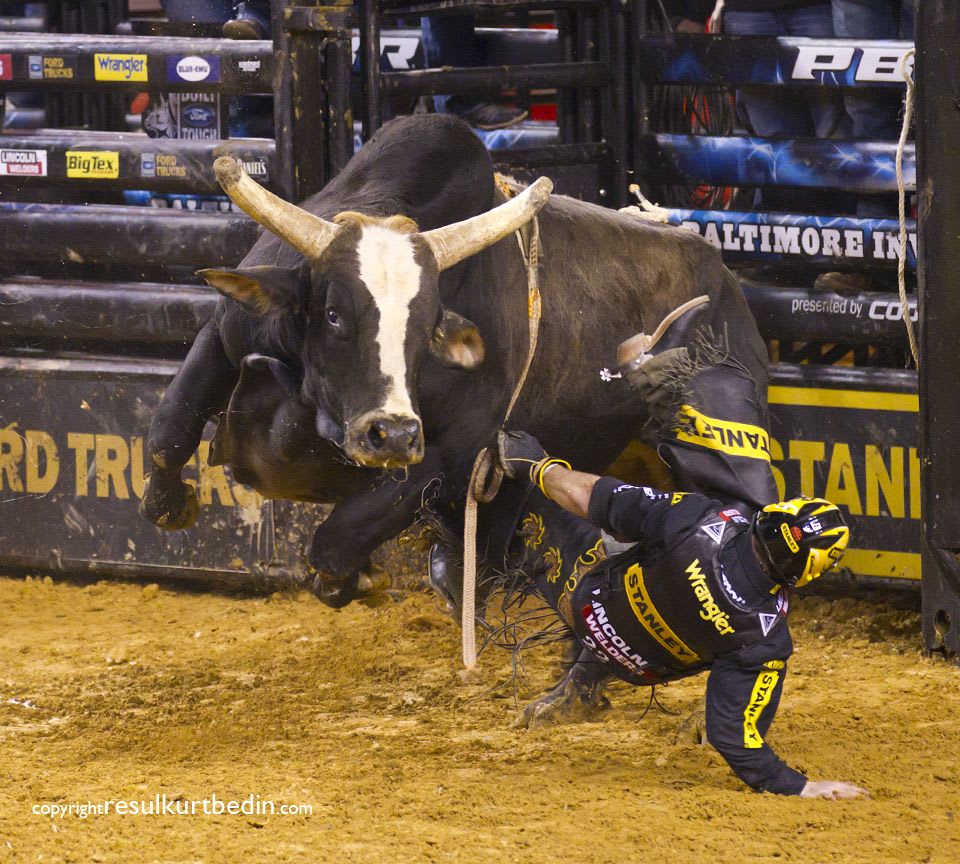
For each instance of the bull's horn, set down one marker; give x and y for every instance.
(307, 233)
(452, 243)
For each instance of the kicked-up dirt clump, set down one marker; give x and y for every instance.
(155, 696)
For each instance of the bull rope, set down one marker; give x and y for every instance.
(902, 205)
(487, 474)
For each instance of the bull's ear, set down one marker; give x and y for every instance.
(258, 289)
(457, 342)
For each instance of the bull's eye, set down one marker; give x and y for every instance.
(333, 318)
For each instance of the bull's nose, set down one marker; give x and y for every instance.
(399, 437)
(387, 440)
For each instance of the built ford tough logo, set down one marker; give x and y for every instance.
(199, 116)
(120, 67)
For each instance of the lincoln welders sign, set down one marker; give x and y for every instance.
(72, 468)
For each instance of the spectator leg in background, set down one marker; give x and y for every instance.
(825, 104)
(451, 40)
(251, 20)
(779, 112)
(873, 113)
(772, 112)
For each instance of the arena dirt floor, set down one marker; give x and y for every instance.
(129, 691)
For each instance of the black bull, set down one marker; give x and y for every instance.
(604, 277)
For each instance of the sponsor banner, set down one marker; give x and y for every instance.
(256, 168)
(191, 116)
(679, 58)
(93, 164)
(850, 436)
(6, 67)
(805, 315)
(73, 465)
(196, 116)
(46, 67)
(23, 163)
(785, 236)
(120, 67)
(193, 69)
(162, 165)
(856, 166)
(399, 50)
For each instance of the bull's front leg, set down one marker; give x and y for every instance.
(342, 545)
(201, 388)
(578, 695)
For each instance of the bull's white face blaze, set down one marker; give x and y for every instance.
(391, 274)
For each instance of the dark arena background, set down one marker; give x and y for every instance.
(174, 667)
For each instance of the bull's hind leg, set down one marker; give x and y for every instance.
(201, 388)
(579, 695)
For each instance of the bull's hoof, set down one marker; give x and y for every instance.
(372, 587)
(693, 730)
(566, 703)
(171, 507)
(368, 585)
(336, 593)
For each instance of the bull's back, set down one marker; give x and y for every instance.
(606, 276)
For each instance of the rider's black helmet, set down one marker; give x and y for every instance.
(800, 539)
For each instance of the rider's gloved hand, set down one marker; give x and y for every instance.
(519, 452)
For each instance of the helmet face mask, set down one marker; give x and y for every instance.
(800, 539)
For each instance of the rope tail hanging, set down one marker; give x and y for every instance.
(486, 475)
(902, 204)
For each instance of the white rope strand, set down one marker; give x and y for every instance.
(902, 205)
(534, 313)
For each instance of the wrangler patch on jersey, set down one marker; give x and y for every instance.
(711, 611)
(735, 439)
(651, 620)
(759, 699)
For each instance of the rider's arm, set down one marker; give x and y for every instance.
(742, 700)
(570, 489)
(631, 513)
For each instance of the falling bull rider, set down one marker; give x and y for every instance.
(704, 583)
(702, 587)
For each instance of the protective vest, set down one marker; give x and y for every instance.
(669, 617)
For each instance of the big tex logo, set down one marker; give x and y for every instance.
(120, 67)
(93, 164)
